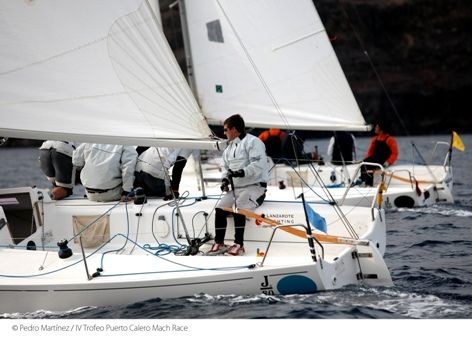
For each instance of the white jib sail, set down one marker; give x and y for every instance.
(93, 71)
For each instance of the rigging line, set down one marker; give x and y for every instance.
(179, 214)
(379, 78)
(382, 84)
(177, 206)
(208, 216)
(170, 204)
(256, 70)
(289, 163)
(193, 223)
(347, 224)
(336, 207)
(305, 183)
(426, 164)
(126, 237)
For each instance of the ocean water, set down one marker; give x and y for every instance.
(429, 254)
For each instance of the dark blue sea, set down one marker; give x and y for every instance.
(429, 254)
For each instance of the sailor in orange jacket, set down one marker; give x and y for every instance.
(383, 150)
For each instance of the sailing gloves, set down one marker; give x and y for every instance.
(224, 185)
(225, 181)
(237, 173)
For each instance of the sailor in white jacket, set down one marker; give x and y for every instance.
(152, 170)
(245, 163)
(107, 170)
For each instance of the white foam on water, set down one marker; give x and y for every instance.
(40, 314)
(408, 304)
(445, 211)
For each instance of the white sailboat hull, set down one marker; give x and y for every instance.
(71, 289)
(135, 270)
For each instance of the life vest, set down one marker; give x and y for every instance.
(381, 150)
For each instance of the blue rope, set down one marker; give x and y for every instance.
(164, 249)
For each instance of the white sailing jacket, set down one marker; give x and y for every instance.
(150, 161)
(66, 148)
(106, 166)
(248, 154)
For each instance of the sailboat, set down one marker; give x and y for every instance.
(288, 77)
(102, 72)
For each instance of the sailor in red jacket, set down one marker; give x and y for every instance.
(382, 150)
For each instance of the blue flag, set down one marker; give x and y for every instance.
(315, 219)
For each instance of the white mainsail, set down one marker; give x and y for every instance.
(93, 71)
(277, 70)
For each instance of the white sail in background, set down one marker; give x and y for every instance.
(93, 71)
(250, 57)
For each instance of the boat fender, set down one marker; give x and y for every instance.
(64, 250)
